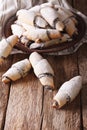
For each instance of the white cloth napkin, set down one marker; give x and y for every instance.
(9, 8)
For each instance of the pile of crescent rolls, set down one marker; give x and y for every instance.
(47, 24)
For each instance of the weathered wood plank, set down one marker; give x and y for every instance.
(24, 110)
(4, 92)
(67, 118)
(30, 108)
(81, 5)
(82, 62)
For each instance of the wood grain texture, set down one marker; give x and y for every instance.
(24, 110)
(29, 105)
(4, 92)
(82, 62)
(67, 118)
(81, 5)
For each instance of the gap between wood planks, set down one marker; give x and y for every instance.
(9, 86)
(83, 71)
(42, 110)
(81, 114)
(4, 91)
(3, 124)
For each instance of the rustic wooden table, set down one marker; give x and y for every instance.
(26, 105)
